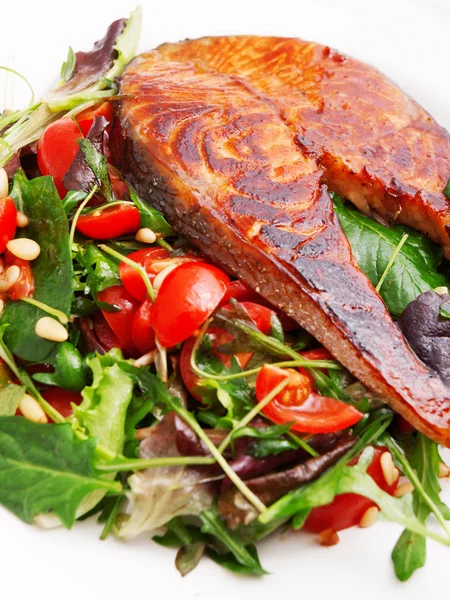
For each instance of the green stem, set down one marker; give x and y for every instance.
(302, 444)
(148, 286)
(162, 242)
(190, 420)
(299, 362)
(78, 213)
(139, 464)
(30, 87)
(109, 523)
(253, 412)
(391, 261)
(62, 318)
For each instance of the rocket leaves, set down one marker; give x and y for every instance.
(415, 268)
(45, 467)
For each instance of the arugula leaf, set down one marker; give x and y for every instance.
(45, 468)
(70, 369)
(102, 271)
(271, 447)
(409, 553)
(246, 556)
(150, 217)
(52, 270)
(68, 66)
(447, 189)
(10, 397)
(189, 556)
(415, 268)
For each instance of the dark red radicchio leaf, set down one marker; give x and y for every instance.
(236, 510)
(92, 66)
(428, 333)
(80, 176)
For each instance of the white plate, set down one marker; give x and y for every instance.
(408, 40)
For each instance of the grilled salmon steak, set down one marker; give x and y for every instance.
(219, 155)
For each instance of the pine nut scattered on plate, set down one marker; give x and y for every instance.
(390, 471)
(12, 275)
(4, 186)
(328, 537)
(51, 329)
(24, 248)
(403, 489)
(21, 219)
(146, 235)
(369, 517)
(444, 471)
(31, 410)
(157, 282)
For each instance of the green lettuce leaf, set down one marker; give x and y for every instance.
(10, 397)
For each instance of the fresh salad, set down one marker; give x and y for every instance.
(143, 388)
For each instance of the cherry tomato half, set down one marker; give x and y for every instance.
(120, 321)
(309, 411)
(86, 118)
(142, 328)
(110, 222)
(8, 217)
(241, 292)
(61, 400)
(347, 510)
(186, 298)
(56, 150)
(131, 278)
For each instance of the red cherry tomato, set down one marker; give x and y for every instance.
(131, 278)
(24, 287)
(241, 292)
(61, 400)
(120, 321)
(110, 222)
(142, 329)
(86, 118)
(57, 148)
(347, 510)
(8, 217)
(298, 402)
(186, 298)
(106, 336)
(261, 315)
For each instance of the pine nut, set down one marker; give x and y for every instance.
(21, 219)
(390, 471)
(328, 538)
(441, 290)
(4, 186)
(51, 329)
(444, 471)
(24, 248)
(12, 274)
(369, 517)
(31, 410)
(157, 282)
(146, 235)
(403, 489)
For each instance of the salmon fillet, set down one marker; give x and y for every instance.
(376, 146)
(219, 160)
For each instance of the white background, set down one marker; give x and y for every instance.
(409, 41)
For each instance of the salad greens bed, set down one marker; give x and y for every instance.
(129, 440)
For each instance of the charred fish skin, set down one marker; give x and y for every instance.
(376, 146)
(218, 160)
